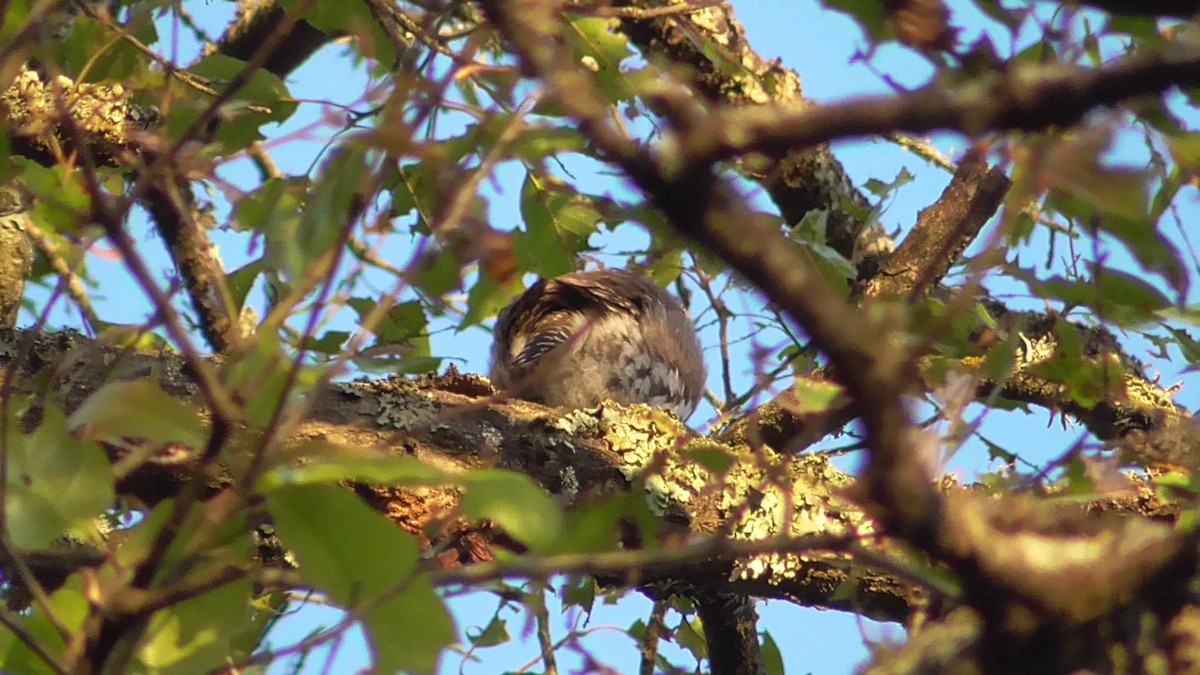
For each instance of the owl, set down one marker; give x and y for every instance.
(579, 339)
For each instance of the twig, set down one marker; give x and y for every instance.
(655, 626)
(74, 286)
(545, 642)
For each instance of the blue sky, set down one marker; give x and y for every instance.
(821, 46)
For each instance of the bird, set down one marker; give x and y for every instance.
(577, 340)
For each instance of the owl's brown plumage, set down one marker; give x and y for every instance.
(579, 339)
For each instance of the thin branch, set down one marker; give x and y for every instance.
(545, 642)
(648, 646)
(73, 283)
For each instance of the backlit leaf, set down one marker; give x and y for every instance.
(366, 564)
(138, 409)
(514, 502)
(56, 482)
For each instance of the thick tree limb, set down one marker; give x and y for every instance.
(943, 231)
(444, 422)
(257, 19)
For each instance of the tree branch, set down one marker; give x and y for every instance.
(726, 70)
(1027, 98)
(595, 448)
(258, 19)
(1182, 9)
(943, 231)
(869, 357)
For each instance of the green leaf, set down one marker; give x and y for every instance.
(295, 246)
(242, 279)
(812, 228)
(129, 336)
(118, 61)
(190, 636)
(409, 631)
(495, 633)
(485, 300)
(1188, 347)
(138, 409)
(772, 658)
(515, 502)
(558, 222)
(1001, 358)
(69, 606)
(16, 19)
(581, 593)
(402, 338)
(690, 636)
(1115, 295)
(330, 342)
(404, 323)
(265, 90)
(833, 267)
(366, 564)
(1075, 166)
(267, 611)
(274, 207)
(594, 527)
(809, 234)
(536, 143)
(1087, 381)
(1185, 149)
(264, 99)
(62, 200)
(439, 272)
(812, 396)
(1037, 54)
(1144, 28)
(601, 50)
(869, 14)
(320, 462)
(882, 190)
(998, 452)
(260, 376)
(667, 267)
(414, 189)
(56, 482)
(712, 457)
